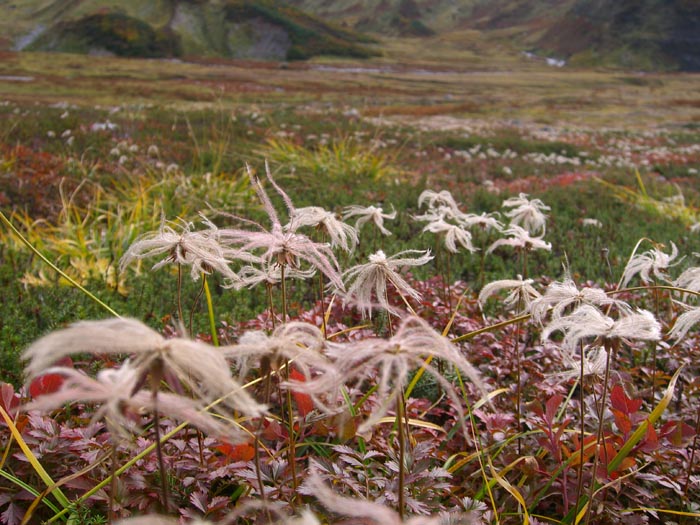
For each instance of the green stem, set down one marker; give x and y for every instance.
(210, 310)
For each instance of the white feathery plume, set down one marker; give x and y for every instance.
(485, 221)
(301, 343)
(436, 199)
(595, 359)
(521, 239)
(198, 249)
(652, 262)
(394, 359)
(453, 234)
(115, 390)
(521, 292)
(689, 279)
(527, 213)
(251, 276)
(369, 213)
(588, 321)
(440, 213)
(341, 234)
(684, 323)
(279, 246)
(595, 223)
(198, 366)
(561, 295)
(373, 277)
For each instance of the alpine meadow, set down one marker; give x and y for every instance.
(259, 267)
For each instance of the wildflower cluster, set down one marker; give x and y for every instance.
(326, 412)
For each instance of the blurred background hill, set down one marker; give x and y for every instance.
(659, 35)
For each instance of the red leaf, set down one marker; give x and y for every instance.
(273, 431)
(552, 405)
(9, 399)
(621, 402)
(622, 421)
(46, 384)
(651, 441)
(304, 402)
(238, 452)
(677, 432)
(49, 383)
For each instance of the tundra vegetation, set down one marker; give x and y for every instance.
(236, 293)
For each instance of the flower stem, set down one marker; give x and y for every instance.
(159, 453)
(324, 328)
(599, 435)
(284, 294)
(400, 417)
(292, 450)
(194, 306)
(210, 311)
(181, 317)
(270, 304)
(518, 387)
(582, 435)
(113, 484)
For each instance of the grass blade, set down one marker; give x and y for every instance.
(641, 431)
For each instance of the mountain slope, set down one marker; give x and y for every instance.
(644, 34)
(648, 34)
(261, 29)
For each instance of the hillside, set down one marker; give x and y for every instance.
(252, 29)
(635, 34)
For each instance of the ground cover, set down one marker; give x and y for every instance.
(546, 422)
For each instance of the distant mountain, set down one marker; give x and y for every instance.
(633, 34)
(643, 34)
(252, 29)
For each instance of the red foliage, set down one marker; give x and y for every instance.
(237, 452)
(303, 401)
(31, 181)
(49, 383)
